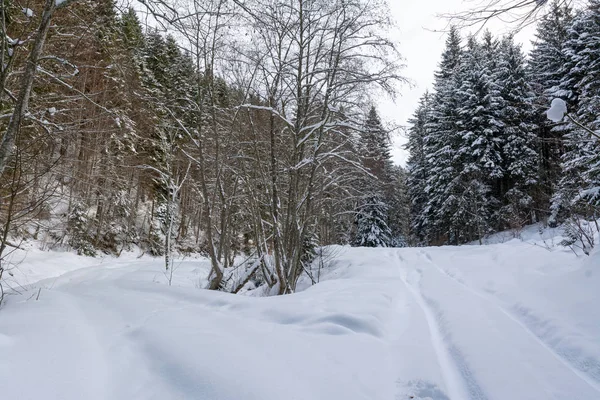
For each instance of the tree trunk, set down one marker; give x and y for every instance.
(21, 105)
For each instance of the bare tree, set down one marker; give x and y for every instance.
(202, 29)
(172, 178)
(303, 71)
(517, 13)
(21, 100)
(316, 61)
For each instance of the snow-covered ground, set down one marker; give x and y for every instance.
(510, 320)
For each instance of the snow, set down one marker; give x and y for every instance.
(29, 267)
(28, 12)
(557, 111)
(516, 319)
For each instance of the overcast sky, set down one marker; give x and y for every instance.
(421, 47)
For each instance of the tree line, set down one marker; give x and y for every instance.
(483, 155)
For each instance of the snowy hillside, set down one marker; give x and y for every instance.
(511, 320)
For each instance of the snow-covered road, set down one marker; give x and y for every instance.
(486, 349)
(505, 321)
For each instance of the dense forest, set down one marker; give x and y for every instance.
(484, 155)
(251, 129)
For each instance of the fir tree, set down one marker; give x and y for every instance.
(548, 56)
(131, 30)
(480, 150)
(519, 153)
(441, 144)
(544, 72)
(377, 188)
(376, 145)
(78, 230)
(579, 188)
(417, 169)
(478, 158)
(371, 223)
(399, 211)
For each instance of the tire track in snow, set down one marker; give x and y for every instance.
(591, 381)
(457, 376)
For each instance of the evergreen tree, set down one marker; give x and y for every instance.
(375, 143)
(579, 188)
(478, 159)
(417, 169)
(377, 187)
(544, 72)
(481, 105)
(441, 145)
(371, 223)
(519, 153)
(131, 30)
(78, 230)
(156, 59)
(473, 160)
(399, 203)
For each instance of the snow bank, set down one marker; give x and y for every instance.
(29, 265)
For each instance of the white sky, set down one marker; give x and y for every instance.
(422, 47)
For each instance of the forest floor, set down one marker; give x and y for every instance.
(515, 319)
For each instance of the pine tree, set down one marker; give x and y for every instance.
(473, 153)
(156, 59)
(549, 56)
(481, 104)
(131, 30)
(78, 230)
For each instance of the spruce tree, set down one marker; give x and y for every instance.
(519, 151)
(131, 30)
(372, 229)
(399, 211)
(376, 145)
(544, 72)
(417, 169)
(479, 158)
(441, 144)
(377, 188)
(579, 188)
